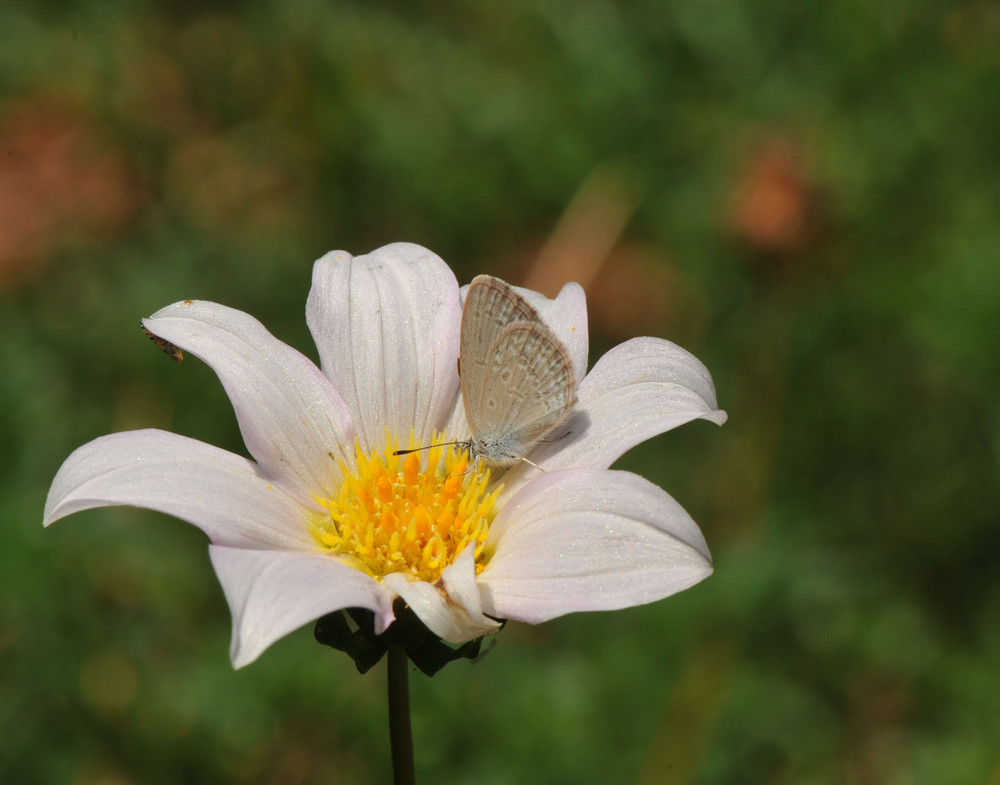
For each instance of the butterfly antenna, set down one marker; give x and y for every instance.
(428, 447)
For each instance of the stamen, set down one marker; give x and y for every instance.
(393, 514)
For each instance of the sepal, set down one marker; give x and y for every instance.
(352, 631)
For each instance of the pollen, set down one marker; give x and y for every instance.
(410, 513)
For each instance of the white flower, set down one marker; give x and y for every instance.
(326, 518)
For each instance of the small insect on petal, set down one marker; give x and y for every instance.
(517, 377)
(175, 353)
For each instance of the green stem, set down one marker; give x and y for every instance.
(400, 735)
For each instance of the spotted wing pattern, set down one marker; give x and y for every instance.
(517, 377)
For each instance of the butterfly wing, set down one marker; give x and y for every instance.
(490, 306)
(517, 378)
(532, 375)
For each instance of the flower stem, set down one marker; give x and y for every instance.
(400, 735)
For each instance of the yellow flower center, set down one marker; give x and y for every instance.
(407, 513)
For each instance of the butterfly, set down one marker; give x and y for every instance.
(517, 378)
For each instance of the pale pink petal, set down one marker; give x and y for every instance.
(272, 593)
(451, 609)
(386, 326)
(292, 419)
(639, 389)
(585, 540)
(223, 494)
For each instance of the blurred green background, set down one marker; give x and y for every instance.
(804, 195)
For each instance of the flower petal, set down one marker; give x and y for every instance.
(223, 494)
(292, 419)
(586, 540)
(639, 389)
(386, 326)
(272, 593)
(451, 609)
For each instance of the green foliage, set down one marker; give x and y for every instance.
(817, 191)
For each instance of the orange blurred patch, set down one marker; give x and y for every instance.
(771, 209)
(60, 184)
